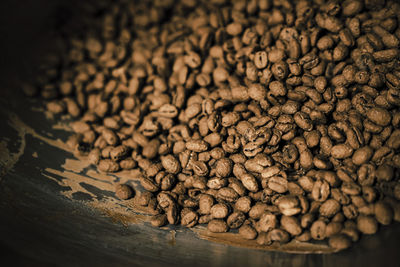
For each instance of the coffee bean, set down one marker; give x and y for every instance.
(123, 191)
(288, 205)
(189, 218)
(170, 164)
(333, 228)
(261, 59)
(278, 235)
(197, 145)
(243, 204)
(341, 151)
(149, 184)
(217, 226)
(362, 155)
(249, 182)
(247, 232)
(329, 208)
(367, 224)
(219, 211)
(291, 225)
(172, 214)
(379, 116)
(339, 241)
(383, 213)
(235, 220)
(223, 167)
(318, 230)
(107, 165)
(239, 123)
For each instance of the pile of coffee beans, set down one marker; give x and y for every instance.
(277, 118)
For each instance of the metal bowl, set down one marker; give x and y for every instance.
(40, 226)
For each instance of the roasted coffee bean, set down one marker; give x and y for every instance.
(249, 182)
(329, 208)
(217, 226)
(172, 214)
(247, 232)
(170, 164)
(333, 228)
(367, 224)
(288, 205)
(291, 225)
(350, 211)
(278, 184)
(267, 222)
(384, 173)
(149, 184)
(318, 230)
(159, 220)
(243, 204)
(362, 155)
(94, 156)
(339, 241)
(223, 167)
(227, 194)
(239, 122)
(205, 203)
(341, 151)
(189, 218)
(278, 235)
(108, 165)
(219, 211)
(320, 190)
(257, 210)
(197, 145)
(383, 213)
(123, 191)
(119, 152)
(235, 220)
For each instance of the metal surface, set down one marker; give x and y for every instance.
(40, 227)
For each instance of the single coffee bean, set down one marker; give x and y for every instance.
(288, 205)
(219, 211)
(318, 230)
(267, 222)
(170, 164)
(339, 241)
(159, 220)
(189, 218)
(367, 224)
(217, 226)
(379, 116)
(333, 228)
(123, 191)
(172, 214)
(329, 208)
(235, 219)
(341, 151)
(383, 213)
(257, 210)
(362, 155)
(291, 225)
(247, 232)
(243, 204)
(278, 235)
(223, 167)
(108, 165)
(149, 184)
